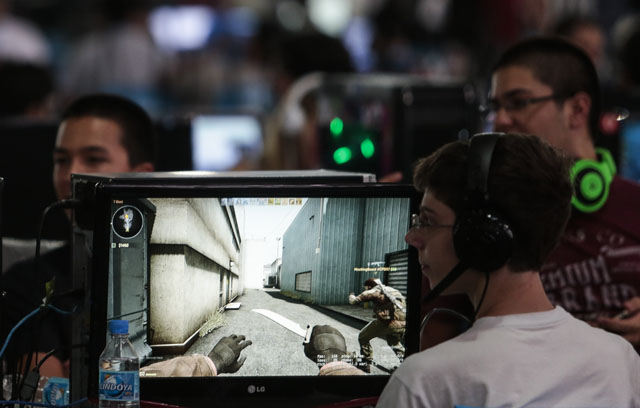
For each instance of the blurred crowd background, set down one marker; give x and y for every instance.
(196, 58)
(230, 54)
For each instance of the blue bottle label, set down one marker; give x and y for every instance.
(56, 391)
(119, 385)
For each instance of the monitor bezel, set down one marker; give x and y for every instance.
(282, 391)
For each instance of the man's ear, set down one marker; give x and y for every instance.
(579, 106)
(143, 167)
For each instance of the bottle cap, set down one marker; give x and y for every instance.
(119, 326)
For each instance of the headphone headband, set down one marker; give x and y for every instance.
(481, 148)
(481, 238)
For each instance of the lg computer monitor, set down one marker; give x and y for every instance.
(188, 265)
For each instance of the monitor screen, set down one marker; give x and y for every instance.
(209, 142)
(384, 123)
(223, 142)
(29, 188)
(188, 266)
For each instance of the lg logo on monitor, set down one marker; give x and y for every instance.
(252, 389)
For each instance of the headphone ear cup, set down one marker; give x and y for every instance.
(482, 240)
(591, 180)
(606, 159)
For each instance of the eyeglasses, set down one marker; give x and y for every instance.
(416, 223)
(513, 104)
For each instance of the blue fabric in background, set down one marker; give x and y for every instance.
(630, 157)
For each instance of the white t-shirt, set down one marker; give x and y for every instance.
(545, 359)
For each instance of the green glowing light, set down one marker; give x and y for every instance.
(336, 127)
(367, 148)
(342, 155)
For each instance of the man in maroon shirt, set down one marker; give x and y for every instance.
(547, 87)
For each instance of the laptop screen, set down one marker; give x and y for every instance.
(189, 266)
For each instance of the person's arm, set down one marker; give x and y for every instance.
(395, 177)
(627, 324)
(224, 358)
(51, 367)
(364, 296)
(193, 365)
(327, 346)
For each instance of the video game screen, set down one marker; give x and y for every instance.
(187, 272)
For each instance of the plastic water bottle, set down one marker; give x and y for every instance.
(119, 377)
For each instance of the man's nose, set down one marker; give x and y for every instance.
(414, 239)
(77, 166)
(501, 120)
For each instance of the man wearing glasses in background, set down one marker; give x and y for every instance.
(549, 88)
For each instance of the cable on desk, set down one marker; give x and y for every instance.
(41, 404)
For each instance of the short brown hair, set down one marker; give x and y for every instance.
(528, 185)
(138, 133)
(560, 65)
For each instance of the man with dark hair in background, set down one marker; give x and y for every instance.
(102, 134)
(548, 87)
(98, 133)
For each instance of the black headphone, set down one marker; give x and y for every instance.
(482, 239)
(591, 180)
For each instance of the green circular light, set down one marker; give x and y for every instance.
(336, 127)
(342, 155)
(367, 148)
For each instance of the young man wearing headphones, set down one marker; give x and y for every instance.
(548, 87)
(492, 210)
